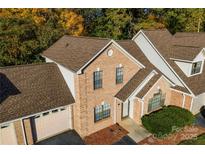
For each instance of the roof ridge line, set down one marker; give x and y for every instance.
(88, 37)
(25, 65)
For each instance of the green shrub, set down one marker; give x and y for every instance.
(167, 120)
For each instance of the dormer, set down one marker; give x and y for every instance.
(192, 67)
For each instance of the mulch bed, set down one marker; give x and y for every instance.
(106, 136)
(186, 133)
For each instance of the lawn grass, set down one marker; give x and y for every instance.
(200, 140)
(167, 120)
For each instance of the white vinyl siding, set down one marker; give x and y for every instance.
(155, 58)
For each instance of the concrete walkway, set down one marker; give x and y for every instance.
(136, 132)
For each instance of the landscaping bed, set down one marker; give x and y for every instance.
(167, 120)
(199, 140)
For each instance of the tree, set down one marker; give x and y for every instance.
(18, 41)
(25, 33)
(113, 23)
(72, 22)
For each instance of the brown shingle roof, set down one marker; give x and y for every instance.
(181, 89)
(29, 89)
(189, 39)
(195, 83)
(185, 52)
(131, 47)
(74, 52)
(148, 86)
(179, 47)
(132, 84)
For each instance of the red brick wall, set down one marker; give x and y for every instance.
(176, 98)
(87, 98)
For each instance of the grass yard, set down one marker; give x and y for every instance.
(167, 120)
(200, 140)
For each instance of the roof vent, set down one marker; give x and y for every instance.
(67, 44)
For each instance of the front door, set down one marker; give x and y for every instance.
(125, 109)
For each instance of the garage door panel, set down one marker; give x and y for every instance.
(8, 135)
(51, 124)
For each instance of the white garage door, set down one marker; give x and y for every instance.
(8, 135)
(52, 123)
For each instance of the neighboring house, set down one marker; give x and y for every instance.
(108, 81)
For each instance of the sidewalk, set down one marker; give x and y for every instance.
(136, 132)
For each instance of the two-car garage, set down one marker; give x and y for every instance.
(42, 126)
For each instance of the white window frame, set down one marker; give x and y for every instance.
(201, 69)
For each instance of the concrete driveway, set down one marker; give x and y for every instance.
(70, 137)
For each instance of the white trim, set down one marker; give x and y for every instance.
(31, 115)
(183, 101)
(24, 137)
(180, 91)
(142, 107)
(141, 32)
(122, 50)
(191, 104)
(181, 60)
(156, 84)
(115, 111)
(201, 69)
(142, 84)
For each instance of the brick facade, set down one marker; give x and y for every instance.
(172, 98)
(176, 98)
(87, 98)
(164, 86)
(137, 111)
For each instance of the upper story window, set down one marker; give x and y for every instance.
(101, 112)
(97, 79)
(119, 75)
(196, 67)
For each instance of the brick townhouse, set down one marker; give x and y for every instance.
(89, 83)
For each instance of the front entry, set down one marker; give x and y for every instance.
(125, 109)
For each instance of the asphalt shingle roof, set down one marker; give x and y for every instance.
(74, 52)
(29, 89)
(163, 41)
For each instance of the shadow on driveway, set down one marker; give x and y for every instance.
(70, 137)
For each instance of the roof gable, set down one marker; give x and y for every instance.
(74, 52)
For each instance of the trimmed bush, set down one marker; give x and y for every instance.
(167, 120)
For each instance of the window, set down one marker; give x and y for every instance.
(62, 109)
(196, 67)
(54, 111)
(46, 113)
(156, 101)
(119, 75)
(101, 112)
(4, 126)
(97, 78)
